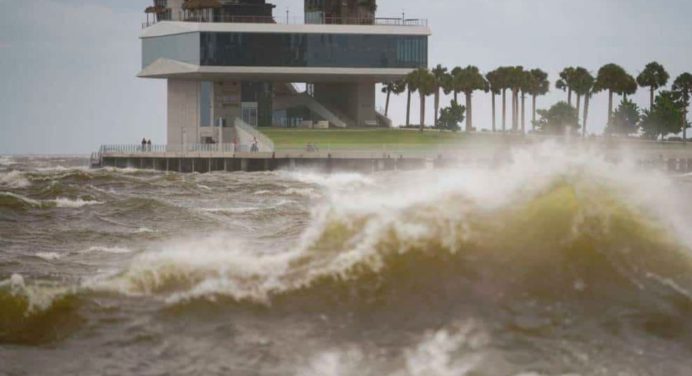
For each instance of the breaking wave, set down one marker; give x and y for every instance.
(35, 314)
(19, 202)
(551, 227)
(14, 180)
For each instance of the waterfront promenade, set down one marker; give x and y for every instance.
(371, 158)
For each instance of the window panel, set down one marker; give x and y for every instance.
(313, 50)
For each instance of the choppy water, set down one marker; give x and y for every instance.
(557, 264)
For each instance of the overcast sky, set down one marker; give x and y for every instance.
(67, 67)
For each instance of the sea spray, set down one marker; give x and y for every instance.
(550, 209)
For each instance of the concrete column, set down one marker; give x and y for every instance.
(183, 111)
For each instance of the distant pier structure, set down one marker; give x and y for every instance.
(201, 158)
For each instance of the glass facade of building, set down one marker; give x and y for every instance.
(179, 47)
(313, 50)
(289, 50)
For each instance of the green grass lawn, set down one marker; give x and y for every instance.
(354, 138)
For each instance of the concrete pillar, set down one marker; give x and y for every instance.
(183, 111)
(244, 164)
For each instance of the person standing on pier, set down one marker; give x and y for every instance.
(144, 144)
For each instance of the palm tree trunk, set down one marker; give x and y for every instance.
(437, 105)
(523, 112)
(610, 106)
(578, 106)
(456, 94)
(569, 96)
(587, 99)
(684, 127)
(422, 110)
(469, 112)
(514, 110)
(651, 99)
(504, 110)
(408, 108)
(493, 99)
(386, 106)
(533, 116)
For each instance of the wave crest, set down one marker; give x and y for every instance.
(35, 314)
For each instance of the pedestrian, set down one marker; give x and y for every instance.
(149, 145)
(144, 144)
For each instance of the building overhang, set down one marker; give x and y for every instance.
(176, 27)
(166, 68)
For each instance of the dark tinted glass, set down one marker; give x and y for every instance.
(313, 50)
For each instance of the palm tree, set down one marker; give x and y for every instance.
(682, 86)
(387, 88)
(495, 87)
(503, 75)
(440, 75)
(629, 87)
(565, 82)
(654, 76)
(515, 81)
(392, 87)
(526, 86)
(614, 79)
(582, 83)
(587, 101)
(468, 80)
(538, 85)
(424, 82)
(409, 89)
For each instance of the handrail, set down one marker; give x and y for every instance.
(367, 21)
(160, 149)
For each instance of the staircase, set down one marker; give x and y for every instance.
(333, 116)
(246, 135)
(383, 121)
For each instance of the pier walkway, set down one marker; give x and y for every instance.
(229, 157)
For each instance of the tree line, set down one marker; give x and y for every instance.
(667, 112)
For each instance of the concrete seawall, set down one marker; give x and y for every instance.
(328, 162)
(257, 162)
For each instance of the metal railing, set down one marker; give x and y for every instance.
(381, 21)
(106, 150)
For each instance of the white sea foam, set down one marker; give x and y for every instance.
(335, 180)
(240, 210)
(25, 199)
(115, 250)
(409, 207)
(144, 230)
(454, 352)
(39, 296)
(73, 204)
(49, 256)
(6, 161)
(335, 363)
(14, 179)
(305, 192)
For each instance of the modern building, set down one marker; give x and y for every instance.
(232, 59)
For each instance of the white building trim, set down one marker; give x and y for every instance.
(174, 27)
